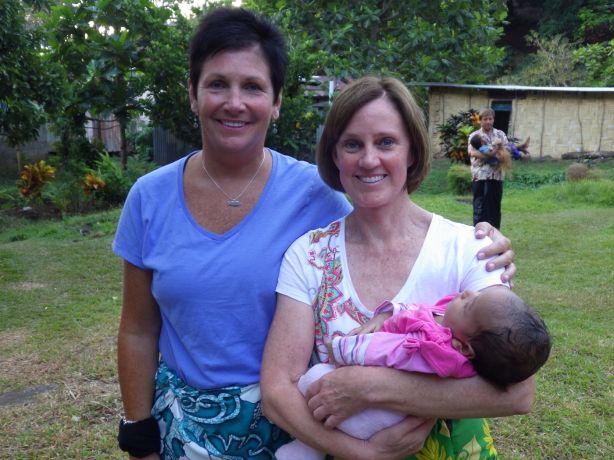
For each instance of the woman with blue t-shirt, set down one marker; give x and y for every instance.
(202, 241)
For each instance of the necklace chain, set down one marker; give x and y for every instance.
(233, 202)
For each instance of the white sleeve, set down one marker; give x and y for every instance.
(298, 279)
(474, 275)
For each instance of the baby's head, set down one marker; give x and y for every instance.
(476, 142)
(504, 338)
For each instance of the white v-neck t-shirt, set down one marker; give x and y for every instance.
(315, 272)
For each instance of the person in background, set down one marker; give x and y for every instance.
(374, 147)
(487, 185)
(202, 241)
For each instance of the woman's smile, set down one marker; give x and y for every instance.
(233, 124)
(371, 179)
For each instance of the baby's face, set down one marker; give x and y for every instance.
(462, 315)
(471, 311)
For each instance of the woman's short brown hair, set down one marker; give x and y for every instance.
(355, 96)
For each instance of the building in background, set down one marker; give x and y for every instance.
(562, 121)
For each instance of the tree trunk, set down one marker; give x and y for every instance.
(123, 153)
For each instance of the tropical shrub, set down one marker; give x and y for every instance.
(459, 179)
(65, 193)
(77, 187)
(10, 197)
(294, 133)
(33, 178)
(117, 181)
(523, 180)
(455, 132)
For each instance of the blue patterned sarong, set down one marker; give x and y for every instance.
(223, 423)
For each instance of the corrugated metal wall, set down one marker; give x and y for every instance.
(167, 148)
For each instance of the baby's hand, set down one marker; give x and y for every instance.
(329, 350)
(373, 325)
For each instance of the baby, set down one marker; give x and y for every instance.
(491, 332)
(499, 156)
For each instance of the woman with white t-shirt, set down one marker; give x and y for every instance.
(374, 147)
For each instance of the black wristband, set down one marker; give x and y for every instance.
(139, 438)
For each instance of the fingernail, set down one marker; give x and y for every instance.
(479, 233)
(505, 278)
(490, 266)
(481, 255)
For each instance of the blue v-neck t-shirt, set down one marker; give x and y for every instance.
(216, 293)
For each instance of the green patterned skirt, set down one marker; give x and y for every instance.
(223, 423)
(458, 439)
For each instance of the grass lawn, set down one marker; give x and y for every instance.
(60, 294)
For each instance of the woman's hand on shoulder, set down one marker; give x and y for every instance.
(501, 247)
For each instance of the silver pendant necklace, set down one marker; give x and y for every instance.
(232, 202)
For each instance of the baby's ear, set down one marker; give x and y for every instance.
(464, 348)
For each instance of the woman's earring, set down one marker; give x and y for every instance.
(275, 127)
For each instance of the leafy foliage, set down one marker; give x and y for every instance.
(76, 187)
(534, 179)
(30, 82)
(553, 63)
(596, 23)
(417, 40)
(455, 132)
(573, 46)
(166, 68)
(577, 19)
(459, 179)
(597, 60)
(103, 46)
(33, 178)
(294, 132)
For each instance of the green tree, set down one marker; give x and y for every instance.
(574, 46)
(565, 17)
(598, 61)
(166, 68)
(553, 64)
(416, 40)
(596, 56)
(103, 47)
(30, 83)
